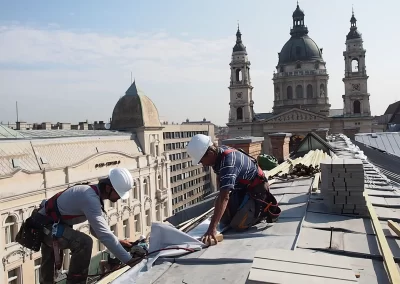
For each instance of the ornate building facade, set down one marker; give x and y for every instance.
(301, 94)
(36, 164)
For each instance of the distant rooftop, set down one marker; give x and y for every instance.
(388, 142)
(8, 133)
(32, 134)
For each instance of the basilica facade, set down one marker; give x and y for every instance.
(301, 94)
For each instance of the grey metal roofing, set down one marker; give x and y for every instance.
(305, 224)
(263, 116)
(387, 164)
(50, 149)
(60, 133)
(388, 142)
(8, 133)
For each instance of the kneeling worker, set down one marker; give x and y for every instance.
(76, 205)
(244, 198)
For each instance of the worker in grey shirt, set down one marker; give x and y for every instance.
(76, 205)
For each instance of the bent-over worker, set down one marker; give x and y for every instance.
(76, 205)
(244, 197)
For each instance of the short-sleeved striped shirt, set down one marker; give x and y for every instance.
(233, 167)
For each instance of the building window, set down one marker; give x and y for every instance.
(136, 223)
(146, 187)
(14, 276)
(165, 210)
(100, 246)
(135, 190)
(289, 92)
(125, 227)
(10, 229)
(354, 65)
(148, 218)
(160, 185)
(357, 107)
(239, 113)
(37, 270)
(299, 91)
(238, 75)
(309, 91)
(322, 90)
(113, 229)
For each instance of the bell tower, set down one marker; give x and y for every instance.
(356, 96)
(241, 98)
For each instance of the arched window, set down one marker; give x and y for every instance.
(322, 90)
(356, 107)
(11, 229)
(160, 185)
(354, 65)
(239, 113)
(135, 190)
(289, 92)
(299, 92)
(277, 94)
(309, 91)
(146, 187)
(238, 75)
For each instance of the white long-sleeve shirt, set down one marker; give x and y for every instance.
(83, 200)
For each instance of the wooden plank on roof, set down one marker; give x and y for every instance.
(390, 265)
(394, 226)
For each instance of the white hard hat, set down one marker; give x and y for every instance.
(198, 146)
(122, 181)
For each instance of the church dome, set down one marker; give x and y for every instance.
(134, 110)
(301, 48)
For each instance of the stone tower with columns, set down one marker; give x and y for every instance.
(356, 96)
(241, 98)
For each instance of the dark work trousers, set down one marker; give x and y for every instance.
(80, 245)
(243, 209)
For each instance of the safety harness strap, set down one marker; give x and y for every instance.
(260, 178)
(52, 208)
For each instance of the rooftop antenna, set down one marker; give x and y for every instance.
(16, 107)
(131, 77)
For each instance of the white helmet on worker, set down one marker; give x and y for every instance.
(198, 146)
(122, 181)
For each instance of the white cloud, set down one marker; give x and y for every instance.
(77, 68)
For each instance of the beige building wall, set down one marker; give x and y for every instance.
(29, 174)
(189, 183)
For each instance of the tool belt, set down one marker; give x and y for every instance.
(266, 205)
(33, 230)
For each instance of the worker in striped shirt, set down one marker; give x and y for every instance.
(244, 199)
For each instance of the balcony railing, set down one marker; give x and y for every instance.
(300, 73)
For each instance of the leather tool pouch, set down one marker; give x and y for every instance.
(31, 233)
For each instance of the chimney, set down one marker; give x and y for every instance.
(250, 144)
(46, 125)
(280, 145)
(66, 126)
(21, 125)
(83, 126)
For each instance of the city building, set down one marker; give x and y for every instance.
(301, 94)
(189, 183)
(37, 163)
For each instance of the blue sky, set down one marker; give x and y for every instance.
(69, 61)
